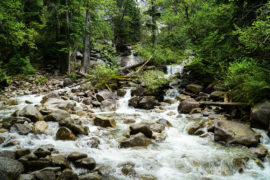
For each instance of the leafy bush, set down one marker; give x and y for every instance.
(19, 65)
(247, 81)
(42, 80)
(103, 76)
(154, 80)
(73, 76)
(4, 79)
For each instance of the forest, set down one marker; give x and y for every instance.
(134, 89)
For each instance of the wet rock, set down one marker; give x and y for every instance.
(182, 97)
(230, 132)
(157, 127)
(48, 173)
(148, 102)
(195, 88)
(260, 115)
(121, 92)
(8, 154)
(11, 168)
(74, 126)
(108, 105)
(164, 122)
(22, 129)
(187, 105)
(22, 152)
(93, 142)
(40, 127)
(2, 139)
(88, 163)
(96, 103)
(54, 103)
(29, 111)
(60, 161)
(67, 82)
(49, 96)
(128, 169)
(196, 128)
(64, 134)
(147, 177)
(90, 176)
(35, 164)
(105, 94)
(58, 115)
(26, 177)
(260, 151)
(134, 101)
(68, 175)
(136, 140)
(159, 137)
(141, 128)
(42, 152)
(12, 102)
(104, 121)
(76, 155)
(11, 142)
(87, 101)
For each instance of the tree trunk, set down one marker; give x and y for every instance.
(86, 44)
(154, 25)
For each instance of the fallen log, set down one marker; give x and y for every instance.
(132, 66)
(223, 103)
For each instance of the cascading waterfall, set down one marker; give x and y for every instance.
(179, 157)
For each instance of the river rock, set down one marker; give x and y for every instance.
(156, 127)
(128, 169)
(54, 103)
(29, 111)
(90, 176)
(2, 139)
(105, 94)
(87, 101)
(187, 105)
(136, 140)
(48, 173)
(104, 121)
(88, 163)
(260, 151)
(260, 115)
(230, 132)
(12, 102)
(76, 155)
(74, 126)
(148, 102)
(195, 88)
(134, 101)
(40, 127)
(60, 161)
(22, 129)
(35, 164)
(10, 168)
(64, 134)
(164, 122)
(67, 82)
(22, 152)
(48, 96)
(121, 92)
(68, 175)
(58, 115)
(26, 177)
(141, 128)
(8, 154)
(42, 152)
(217, 95)
(108, 105)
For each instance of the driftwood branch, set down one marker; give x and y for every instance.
(223, 103)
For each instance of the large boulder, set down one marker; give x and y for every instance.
(144, 102)
(187, 105)
(67, 82)
(55, 103)
(90, 176)
(260, 115)
(195, 88)
(48, 96)
(136, 140)
(29, 111)
(104, 121)
(22, 129)
(76, 155)
(105, 94)
(141, 128)
(74, 126)
(10, 168)
(230, 132)
(60, 161)
(40, 127)
(64, 133)
(58, 115)
(108, 105)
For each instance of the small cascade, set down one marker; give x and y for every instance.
(123, 103)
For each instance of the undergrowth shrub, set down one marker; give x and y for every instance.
(4, 78)
(154, 80)
(19, 65)
(42, 80)
(247, 81)
(103, 76)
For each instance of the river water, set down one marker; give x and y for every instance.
(179, 157)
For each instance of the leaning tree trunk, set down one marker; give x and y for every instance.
(154, 25)
(86, 44)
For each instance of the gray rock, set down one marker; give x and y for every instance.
(8, 154)
(68, 175)
(26, 177)
(2, 139)
(230, 132)
(105, 94)
(187, 105)
(22, 152)
(76, 155)
(195, 88)
(60, 161)
(104, 121)
(121, 92)
(22, 129)
(90, 176)
(49, 96)
(260, 115)
(10, 167)
(74, 126)
(148, 102)
(29, 111)
(58, 115)
(40, 127)
(45, 174)
(260, 151)
(108, 105)
(141, 128)
(42, 152)
(128, 169)
(64, 133)
(88, 163)
(136, 140)
(67, 82)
